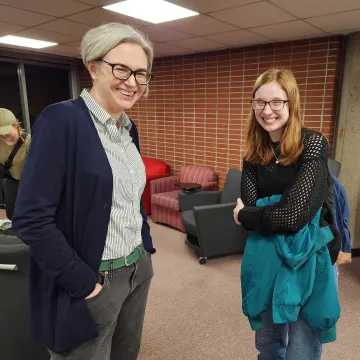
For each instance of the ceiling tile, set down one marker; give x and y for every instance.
(60, 50)
(22, 17)
(293, 29)
(204, 6)
(9, 28)
(337, 22)
(48, 50)
(199, 25)
(99, 2)
(311, 8)
(65, 49)
(258, 14)
(166, 49)
(197, 43)
(99, 16)
(237, 38)
(132, 21)
(55, 8)
(75, 44)
(68, 27)
(159, 34)
(11, 46)
(347, 32)
(46, 35)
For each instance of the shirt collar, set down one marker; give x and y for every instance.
(101, 114)
(125, 121)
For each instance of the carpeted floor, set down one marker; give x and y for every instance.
(194, 311)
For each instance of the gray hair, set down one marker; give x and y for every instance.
(97, 42)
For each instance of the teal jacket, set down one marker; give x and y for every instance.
(293, 274)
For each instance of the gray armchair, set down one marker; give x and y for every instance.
(334, 167)
(208, 220)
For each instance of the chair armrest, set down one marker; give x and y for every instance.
(164, 184)
(221, 210)
(217, 231)
(189, 200)
(213, 185)
(210, 219)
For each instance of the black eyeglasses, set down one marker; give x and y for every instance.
(274, 104)
(123, 72)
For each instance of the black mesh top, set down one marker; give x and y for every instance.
(305, 187)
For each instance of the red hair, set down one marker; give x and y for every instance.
(258, 143)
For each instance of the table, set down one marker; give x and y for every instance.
(188, 187)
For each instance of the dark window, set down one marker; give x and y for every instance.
(45, 86)
(10, 89)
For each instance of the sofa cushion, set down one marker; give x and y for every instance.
(155, 168)
(168, 200)
(197, 174)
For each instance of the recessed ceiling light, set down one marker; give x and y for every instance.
(25, 42)
(154, 11)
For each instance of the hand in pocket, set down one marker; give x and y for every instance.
(98, 288)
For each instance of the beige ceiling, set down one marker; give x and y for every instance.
(221, 23)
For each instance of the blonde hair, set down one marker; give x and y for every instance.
(258, 143)
(19, 128)
(97, 42)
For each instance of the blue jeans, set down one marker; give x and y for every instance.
(303, 344)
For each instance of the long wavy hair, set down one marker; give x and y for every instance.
(258, 148)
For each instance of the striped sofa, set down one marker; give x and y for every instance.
(165, 206)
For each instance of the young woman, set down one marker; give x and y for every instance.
(284, 158)
(14, 146)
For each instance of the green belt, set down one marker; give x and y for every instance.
(123, 261)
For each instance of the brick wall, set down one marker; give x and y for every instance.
(198, 104)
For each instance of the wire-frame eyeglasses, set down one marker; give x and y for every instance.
(274, 104)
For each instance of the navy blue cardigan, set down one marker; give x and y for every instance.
(62, 213)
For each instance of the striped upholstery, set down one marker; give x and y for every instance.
(197, 174)
(167, 216)
(165, 206)
(169, 200)
(163, 185)
(211, 186)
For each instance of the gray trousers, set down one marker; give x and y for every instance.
(118, 311)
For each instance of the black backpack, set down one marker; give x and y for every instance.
(4, 169)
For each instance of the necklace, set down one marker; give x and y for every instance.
(277, 159)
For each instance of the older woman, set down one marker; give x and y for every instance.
(79, 208)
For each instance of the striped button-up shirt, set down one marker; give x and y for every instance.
(124, 231)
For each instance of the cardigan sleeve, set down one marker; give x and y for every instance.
(41, 187)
